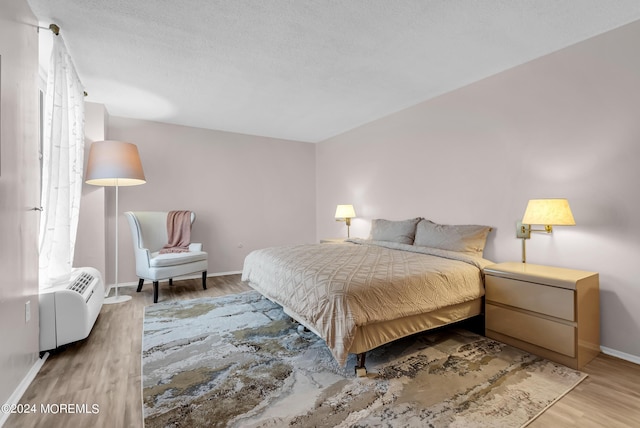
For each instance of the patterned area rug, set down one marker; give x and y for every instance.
(239, 361)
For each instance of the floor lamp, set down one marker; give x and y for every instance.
(114, 163)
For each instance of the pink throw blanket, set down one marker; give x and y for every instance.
(178, 232)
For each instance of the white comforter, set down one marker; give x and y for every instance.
(335, 288)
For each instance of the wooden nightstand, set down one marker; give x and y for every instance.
(548, 311)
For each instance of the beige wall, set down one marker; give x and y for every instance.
(565, 125)
(19, 191)
(91, 242)
(248, 192)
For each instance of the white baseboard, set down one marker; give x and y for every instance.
(197, 276)
(14, 399)
(622, 355)
(225, 273)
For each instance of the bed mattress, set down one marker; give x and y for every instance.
(361, 294)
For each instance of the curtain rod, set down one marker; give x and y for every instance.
(56, 30)
(53, 27)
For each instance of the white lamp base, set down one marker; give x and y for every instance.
(116, 299)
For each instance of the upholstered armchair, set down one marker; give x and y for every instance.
(149, 233)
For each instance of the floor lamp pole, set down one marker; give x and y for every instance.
(117, 298)
(109, 163)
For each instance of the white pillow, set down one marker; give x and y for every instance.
(401, 232)
(462, 238)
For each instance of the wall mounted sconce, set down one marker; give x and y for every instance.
(546, 212)
(345, 213)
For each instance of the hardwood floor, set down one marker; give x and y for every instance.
(609, 397)
(105, 370)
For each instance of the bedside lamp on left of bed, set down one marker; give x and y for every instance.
(345, 213)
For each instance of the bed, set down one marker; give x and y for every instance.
(365, 293)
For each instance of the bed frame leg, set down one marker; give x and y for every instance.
(360, 369)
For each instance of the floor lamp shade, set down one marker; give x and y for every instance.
(114, 163)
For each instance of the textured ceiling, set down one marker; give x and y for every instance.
(305, 70)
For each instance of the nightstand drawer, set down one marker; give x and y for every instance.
(543, 332)
(552, 301)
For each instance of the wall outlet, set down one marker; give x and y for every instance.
(523, 230)
(27, 311)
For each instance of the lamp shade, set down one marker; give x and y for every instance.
(345, 211)
(554, 212)
(114, 163)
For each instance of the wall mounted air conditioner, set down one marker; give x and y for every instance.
(69, 311)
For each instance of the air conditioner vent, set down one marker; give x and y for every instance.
(81, 283)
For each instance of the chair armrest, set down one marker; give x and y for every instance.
(195, 246)
(143, 260)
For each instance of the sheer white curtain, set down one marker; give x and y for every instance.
(62, 166)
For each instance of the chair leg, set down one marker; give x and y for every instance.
(170, 281)
(204, 280)
(155, 291)
(140, 282)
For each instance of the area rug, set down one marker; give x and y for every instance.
(239, 361)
